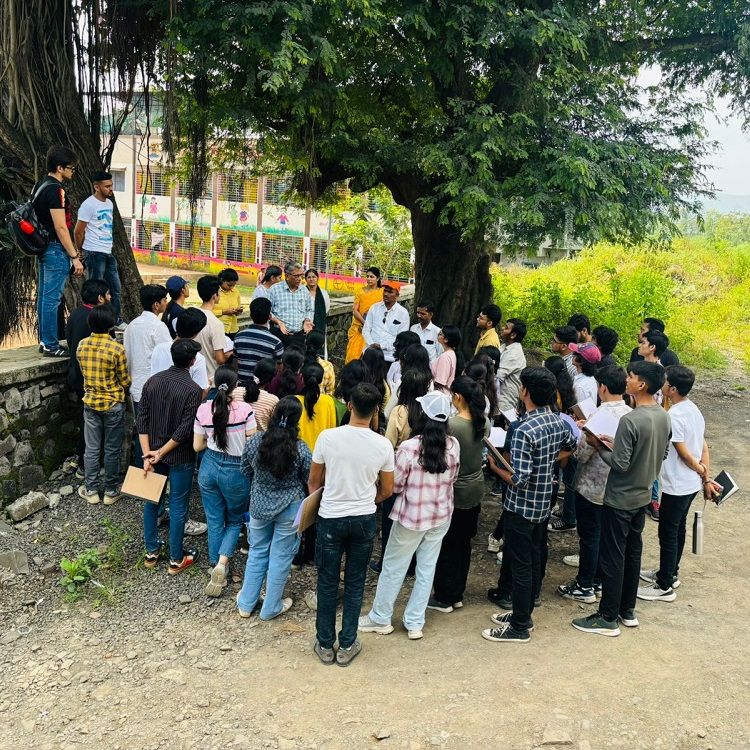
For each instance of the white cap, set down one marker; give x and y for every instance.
(436, 405)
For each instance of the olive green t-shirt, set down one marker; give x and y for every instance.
(468, 489)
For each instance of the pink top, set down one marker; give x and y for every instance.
(444, 370)
(424, 500)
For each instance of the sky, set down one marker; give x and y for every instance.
(731, 162)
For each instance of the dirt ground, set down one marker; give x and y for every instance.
(145, 671)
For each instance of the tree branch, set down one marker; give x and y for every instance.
(709, 42)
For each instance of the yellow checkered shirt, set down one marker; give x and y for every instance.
(105, 371)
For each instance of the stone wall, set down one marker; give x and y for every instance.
(37, 420)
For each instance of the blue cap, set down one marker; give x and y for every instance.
(175, 283)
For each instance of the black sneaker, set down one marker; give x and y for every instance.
(376, 566)
(506, 634)
(628, 618)
(560, 525)
(573, 590)
(503, 618)
(597, 624)
(439, 606)
(496, 597)
(58, 351)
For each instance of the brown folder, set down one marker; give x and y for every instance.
(147, 487)
(308, 511)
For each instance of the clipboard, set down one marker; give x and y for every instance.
(308, 511)
(149, 487)
(602, 422)
(584, 409)
(496, 455)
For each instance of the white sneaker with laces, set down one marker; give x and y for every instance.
(195, 528)
(572, 560)
(366, 625)
(654, 593)
(650, 577)
(494, 545)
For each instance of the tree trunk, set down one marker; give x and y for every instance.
(452, 272)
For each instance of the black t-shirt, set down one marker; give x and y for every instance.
(667, 359)
(170, 318)
(606, 361)
(52, 197)
(76, 330)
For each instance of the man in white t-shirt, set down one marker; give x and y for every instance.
(354, 465)
(684, 473)
(189, 325)
(213, 340)
(93, 236)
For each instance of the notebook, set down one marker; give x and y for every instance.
(602, 422)
(142, 486)
(308, 511)
(584, 409)
(496, 455)
(497, 436)
(729, 485)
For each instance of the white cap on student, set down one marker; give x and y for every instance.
(436, 405)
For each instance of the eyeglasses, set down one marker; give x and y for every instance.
(296, 275)
(71, 167)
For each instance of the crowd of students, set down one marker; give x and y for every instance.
(260, 416)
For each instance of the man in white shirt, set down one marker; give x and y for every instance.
(684, 472)
(427, 330)
(140, 338)
(272, 275)
(586, 357)
(93, 236)
(189, 325)
(512, 361)
(356, 465)
(212, 338)
(385, 320)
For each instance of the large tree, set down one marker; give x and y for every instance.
(70, 75)
(492, 121)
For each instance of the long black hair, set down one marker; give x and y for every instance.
(291, 363)
(352, 374)
(413, 385)
(481, 372)
(559, 369)
(402, 342)
(315, 343)
(312, 374)
(472, 395)
(278, 446)
(433, 443)
(416, 357)
(453, 338)
(374, 359)
(225, 381)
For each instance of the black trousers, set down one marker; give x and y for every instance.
(452, 569)
(589, 517)
(295, 339)
(522, 549)
(620, 550)
(673, 515)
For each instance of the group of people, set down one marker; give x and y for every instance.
(407, 426)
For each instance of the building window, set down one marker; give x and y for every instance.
(235, 187)
(238, 247)
(152, 235)
(196, 243)
(280, 249)
(274, 189)
(183, 189)
(318, 250)
(153, 182)
(118, 180)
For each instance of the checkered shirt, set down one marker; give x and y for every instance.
(105, 371)
(537, 440)
(424, 500)
(291, 307)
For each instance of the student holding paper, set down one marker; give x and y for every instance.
(277, 463)
(684, 472)
(589, 492)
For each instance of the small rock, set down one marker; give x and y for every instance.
(95, 615)
(9, 637)
(702, 733)
(382, 734)
(185, 599)
(48, 568)
(225, 647)
(54, 499)
(16, 561)
(203, 703)
(26, 505)
(66, 490)
(131, 655)
(557, 732)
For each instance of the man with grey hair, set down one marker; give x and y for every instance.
(291, 306)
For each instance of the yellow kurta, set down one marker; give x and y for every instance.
(365, 298)
(228, 301)
(324, 416)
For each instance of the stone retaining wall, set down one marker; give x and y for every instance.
(37, 420)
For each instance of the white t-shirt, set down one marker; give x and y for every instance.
(585, 387)
(98, 217)
(353, 457)
(689, 427)
(141, 337)
(211, 338)
(161, 359)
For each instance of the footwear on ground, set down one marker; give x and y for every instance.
(111, 497)
(218, 581)
(628, 618)
(506, 634)
(90, 496)
(195, 528)
(494, 545)
(572, 560)
(433, 603)
(366, 625)
(58, 351)
(597, 624)
(560, 525)
(650, 577)
(573, 590)
(503, 618)
(326, 655)
(345, 656)
(655, 593)
(178, 566)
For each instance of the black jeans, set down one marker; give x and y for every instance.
(673, 515)
(589, 526)
(352, 536)
(523, 542)
(620, 551)
(569, 494)
(453, 563)
(385, 523)
(294, 339)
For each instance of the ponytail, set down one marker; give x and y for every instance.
(472, 395)
(225, 380)
(252, 390)
(291, 364)
(313, 377)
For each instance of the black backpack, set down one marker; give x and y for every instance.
(23, 226)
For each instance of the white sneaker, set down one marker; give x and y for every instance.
(414, 635)
(650, 577)
(366, 625)
(195, 528)
(90, 496)
(111, 497)
(494, 545)
(654, 593)
(572, 560)
(218, 581)
(311, 600)
(499, 557)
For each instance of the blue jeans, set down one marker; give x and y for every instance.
(54, 266)
(353, 536)
(402, 544)
(273, 545)
(180, 484)
(103, 429)
(225, 492)
(104, 266)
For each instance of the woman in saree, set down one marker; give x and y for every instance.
(364, 299)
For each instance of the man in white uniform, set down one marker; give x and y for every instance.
(385, 320)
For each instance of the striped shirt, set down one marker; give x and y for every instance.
(241, 423)
(424, 500)
(105, 371)
(253, 344)
(538, 438)
(167, 410)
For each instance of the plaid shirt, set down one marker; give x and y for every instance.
(105, 371)
(538, 438)
(292, 308)
(424, 500)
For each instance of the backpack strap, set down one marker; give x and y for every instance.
(45, 183)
